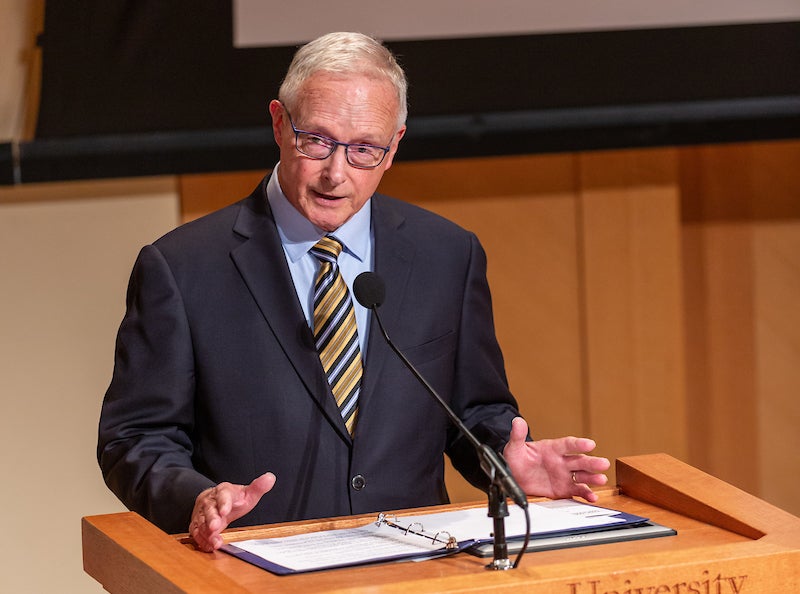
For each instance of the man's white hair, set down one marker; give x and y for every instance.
(345, 53)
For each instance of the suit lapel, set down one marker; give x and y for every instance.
(394, 256)
(261, 264)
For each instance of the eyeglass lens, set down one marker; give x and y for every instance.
(358, 155)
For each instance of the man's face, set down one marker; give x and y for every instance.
(356, 109)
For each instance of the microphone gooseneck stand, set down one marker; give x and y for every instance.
(369, 290)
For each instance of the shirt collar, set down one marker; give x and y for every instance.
(298, 235)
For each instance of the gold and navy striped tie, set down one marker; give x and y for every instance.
(335, 330)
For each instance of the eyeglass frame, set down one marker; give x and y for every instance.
(336, 144)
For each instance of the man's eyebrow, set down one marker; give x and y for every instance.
(366, 138)
(370, 140)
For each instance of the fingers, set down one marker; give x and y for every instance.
(584, 480)
(575, 445)
(261, 485)
(223, 498)
(217, 507)
(586, 492)
(596, 464)
(588, 466)
(582, 477)
(519, 432)
(575, 449)
(585, 471)
(519, 428)
(206, 523)
(246, 497)
(581, 484)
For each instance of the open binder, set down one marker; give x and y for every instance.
(555, 524)
(384, 540)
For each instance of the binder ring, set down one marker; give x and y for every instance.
(417, 529)
(450, 543)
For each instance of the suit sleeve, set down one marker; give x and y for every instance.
(147, 418)
(481, 396)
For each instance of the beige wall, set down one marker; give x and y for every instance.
(65, 254)
(18, 20)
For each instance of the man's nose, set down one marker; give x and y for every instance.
(336, 165)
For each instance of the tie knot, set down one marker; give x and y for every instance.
(327, 249)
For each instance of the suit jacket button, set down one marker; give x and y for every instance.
(358, 482)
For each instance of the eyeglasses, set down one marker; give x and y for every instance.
(317, 146)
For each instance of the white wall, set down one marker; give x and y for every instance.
(66, 252)
(272, 23)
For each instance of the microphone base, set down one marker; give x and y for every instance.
(498, 511)
(500, 565)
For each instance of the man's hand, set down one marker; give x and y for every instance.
(218, 506)
(554, 468)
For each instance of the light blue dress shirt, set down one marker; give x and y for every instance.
(298, 235)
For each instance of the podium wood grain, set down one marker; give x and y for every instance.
(727, 542)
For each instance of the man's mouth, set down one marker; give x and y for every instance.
(329, 197)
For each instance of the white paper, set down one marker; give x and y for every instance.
(353, 546)
(546, 516)
(332, 548)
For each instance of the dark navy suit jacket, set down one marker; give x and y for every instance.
(216, 377)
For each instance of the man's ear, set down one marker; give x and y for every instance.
(277, 112)
(395, 142)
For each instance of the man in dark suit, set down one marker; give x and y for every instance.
(225, 403)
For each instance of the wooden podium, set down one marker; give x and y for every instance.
(728, 542)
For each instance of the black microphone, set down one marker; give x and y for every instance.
(370, 291)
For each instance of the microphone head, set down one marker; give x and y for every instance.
(369, 290)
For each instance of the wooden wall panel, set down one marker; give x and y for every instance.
(203, 193)
(630, 226)
(720, 352)
(777, 311)
(741, 210)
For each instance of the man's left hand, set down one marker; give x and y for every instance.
(554, 468)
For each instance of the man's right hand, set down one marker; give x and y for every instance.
(217, 507)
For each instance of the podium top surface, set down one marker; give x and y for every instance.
(727, 541)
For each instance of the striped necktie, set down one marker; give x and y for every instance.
(335, 330)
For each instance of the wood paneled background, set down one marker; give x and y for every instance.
(649, 298)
